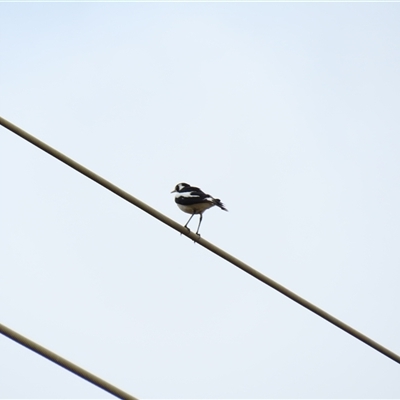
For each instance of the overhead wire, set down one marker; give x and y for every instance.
(200, 240)
(62, 362)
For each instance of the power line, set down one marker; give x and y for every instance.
(221, 253)
(62, 362)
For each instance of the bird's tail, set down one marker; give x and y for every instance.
(221, 205)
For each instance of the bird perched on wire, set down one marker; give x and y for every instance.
(193, 201)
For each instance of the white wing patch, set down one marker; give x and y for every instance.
(187, 194)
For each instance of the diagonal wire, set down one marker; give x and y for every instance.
(62, 362)
(216, 250)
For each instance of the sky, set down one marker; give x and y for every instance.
(287, 112)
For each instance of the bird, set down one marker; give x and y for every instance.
(192, 200)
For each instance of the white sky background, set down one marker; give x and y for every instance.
(287, 112)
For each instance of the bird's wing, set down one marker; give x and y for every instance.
(193, 196)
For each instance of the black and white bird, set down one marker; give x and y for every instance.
(193, 201)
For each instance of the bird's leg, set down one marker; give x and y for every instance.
(201, 218)
(186, 226)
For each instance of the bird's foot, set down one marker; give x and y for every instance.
(198, 234)
(186, 228)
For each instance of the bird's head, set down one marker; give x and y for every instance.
(179, 187)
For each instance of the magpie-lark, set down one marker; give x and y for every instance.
(193, 201)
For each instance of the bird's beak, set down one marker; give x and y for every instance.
(174, 191)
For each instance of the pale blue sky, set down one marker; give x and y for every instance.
(287, 112)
